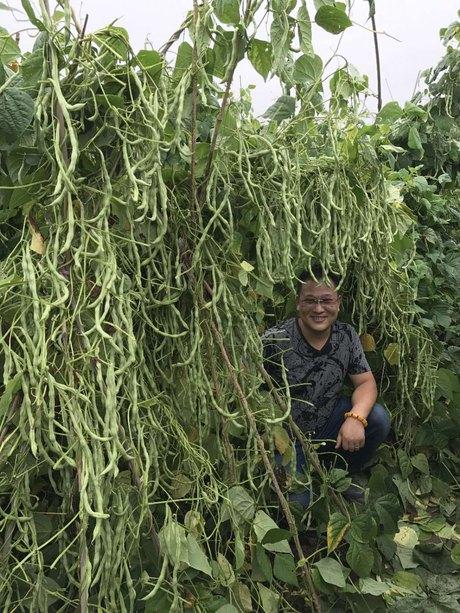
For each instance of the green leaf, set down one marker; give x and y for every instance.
(241, 502)
(439, 563)
(183, 61)
(448, 382)
(280, 36)
(404, 463)
(336, 528)
(304, 27)
(9, 49)
(227, 11)
(420, 462)
(260, 54)
(283, 108)
(284, 569)
(196, 557)
(225, 575)
(151, 62)
(391, 354)
(308, 69)
(360, 558)
(331, 571)
(262, 524)
(389, 113)
(246, 266)
(239, 551)
(262, 563)
(16, 114)
(455, 553)
(413, 140)
(269, 599)
(363, 528)
(32, 68)
(227, 608)
(333, 19)
(243, 595)
(10, 281)
(371, 586)
(276, 535)
(407, 580)
(13, 386)
(173, 542)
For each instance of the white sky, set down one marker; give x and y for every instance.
(415, 23)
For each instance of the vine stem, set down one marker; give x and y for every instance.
(194, 109)
(260, 444)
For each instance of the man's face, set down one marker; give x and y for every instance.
(318, 317)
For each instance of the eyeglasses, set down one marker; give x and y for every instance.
(325, 302)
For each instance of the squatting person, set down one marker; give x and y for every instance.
(317, 352)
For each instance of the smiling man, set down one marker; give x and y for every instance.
(311, 355)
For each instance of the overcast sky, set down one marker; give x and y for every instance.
(415, 23)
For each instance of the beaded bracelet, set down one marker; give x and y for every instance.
(363, 420)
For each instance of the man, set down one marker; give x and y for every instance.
(311, 355)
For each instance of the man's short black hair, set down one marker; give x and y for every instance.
(317, 273)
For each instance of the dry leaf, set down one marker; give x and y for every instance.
(368, 342)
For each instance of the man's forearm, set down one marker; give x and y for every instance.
(363, 398)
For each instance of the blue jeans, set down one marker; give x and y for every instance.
(376, 432)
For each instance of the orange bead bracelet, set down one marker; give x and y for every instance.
(363, 420)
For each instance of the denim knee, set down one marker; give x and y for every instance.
(379, 421)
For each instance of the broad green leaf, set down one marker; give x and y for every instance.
(239, 551)
(284, 569)
(363, 527)
(260, 54)
(9, 49)
(261, 525)
(183, 61)
(407, 580)
(319, 3)
(196, 557)
(32, 68)
(280, 36)
(389, 113)
(241, 502)
(304, 27)
(173, 542)
(404, 463)
(308, 69)
(333, 19)
(225, 575)
(413, 139)
(420, 462)
(283, 108)
(227, 608)
(440, 563)
(114, 41)
(269, 599)
(388, 510)
(331, 571)
(180, 485)
(243, 277)
(227, 11)
(263, 563)
(151, 62)
(276, 535)
(371, 586)
(13, 386)
(386, 546)
(336, 528)
(360, 558)
(16, 114)
(448, 382)
(391, 354)
(243, 595)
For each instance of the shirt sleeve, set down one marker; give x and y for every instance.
(358, 363)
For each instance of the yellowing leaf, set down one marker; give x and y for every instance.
(336, 528)
(282, 440)
(180, 486)
(368, 342)
(246, 266)
(37, 244)
(391, 354)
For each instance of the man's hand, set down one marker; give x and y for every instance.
(351, 435)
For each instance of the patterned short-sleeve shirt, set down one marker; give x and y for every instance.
(314, 377)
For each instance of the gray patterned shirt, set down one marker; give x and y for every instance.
(315, 377)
